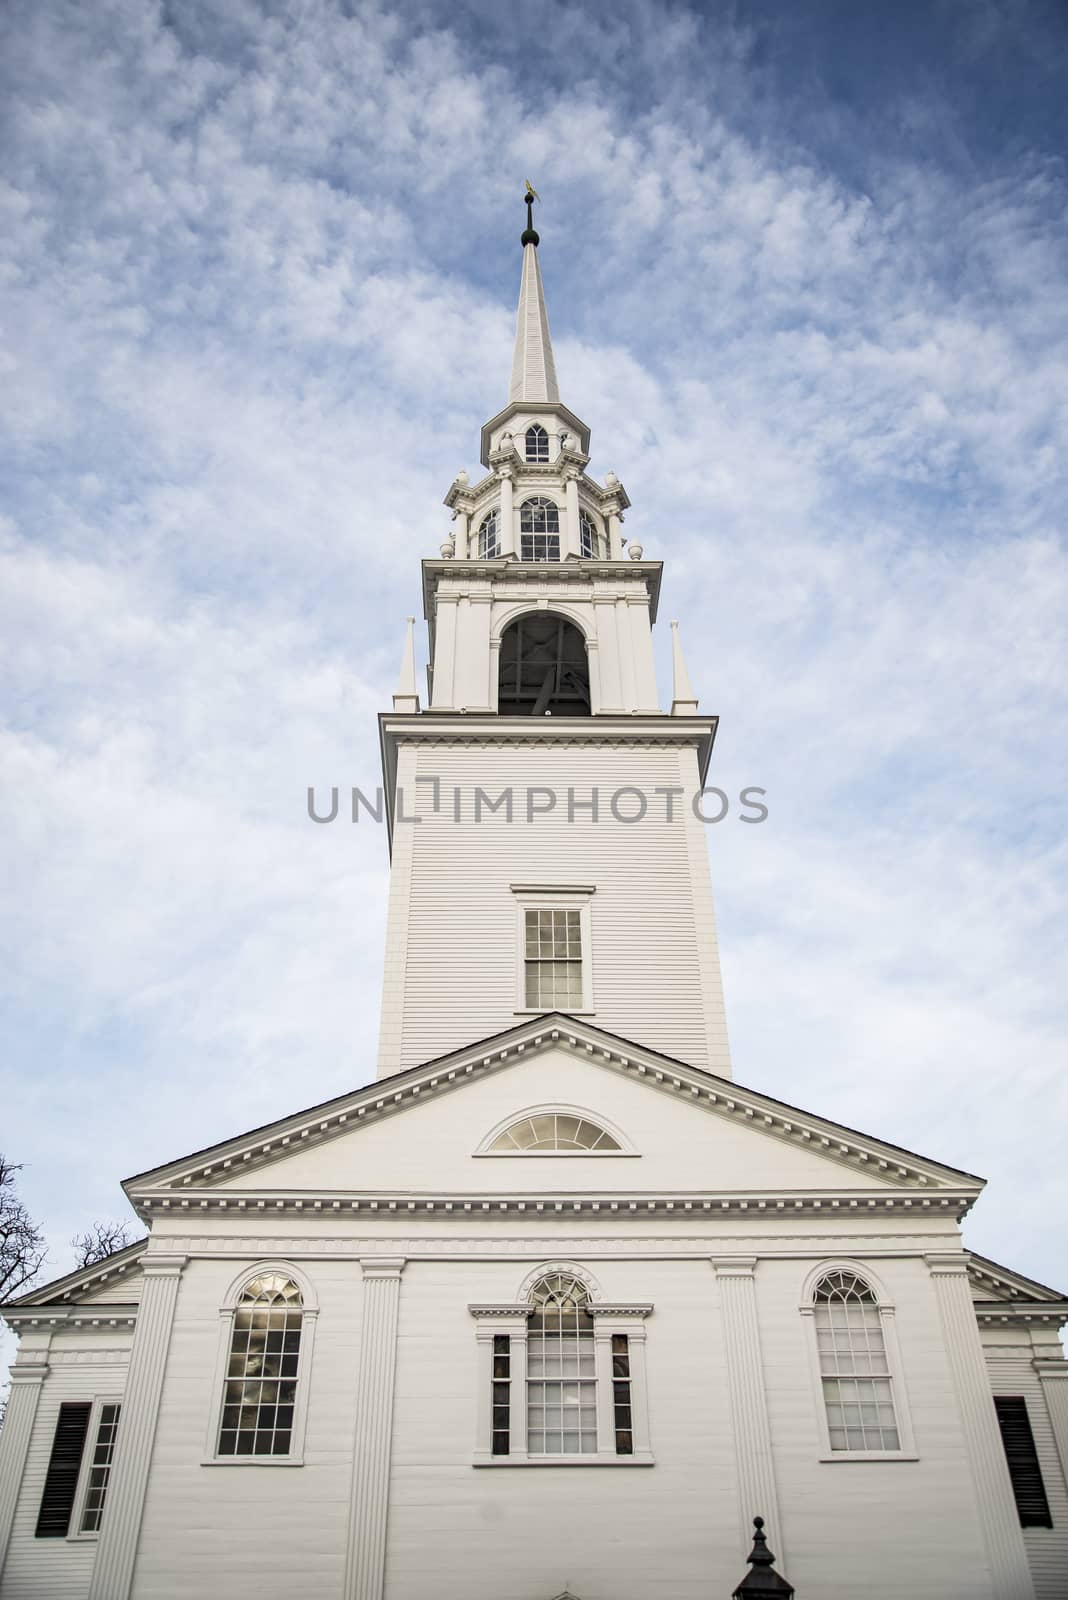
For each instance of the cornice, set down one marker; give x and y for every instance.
(22, 1318)
(510, 578)
(85, 1280)
(990, 1313)
(946, 1188)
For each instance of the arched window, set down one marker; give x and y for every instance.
(561, 1370)
(489, 540)
(550, 1132)
(854, 1371)
(537, 443)
(260, 1389)
(544, 669)
(589, 538)
(539, 529)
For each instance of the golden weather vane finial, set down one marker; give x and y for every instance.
(532, 193)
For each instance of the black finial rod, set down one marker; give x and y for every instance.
(530, 235)
(762, 1580)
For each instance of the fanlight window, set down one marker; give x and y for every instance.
(537, 442)
(561, 1370)
(552, 1131)
(489, 537)
(261, 1378)
(539, 530)
(853, 1366)
(589, 538)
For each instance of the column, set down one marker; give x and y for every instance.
(615, 538)
(1006, 1554)
(507, 513)
(604, 620)
(757, 1495)
(366, 1565)
(444, 651)
(121, 1527)
(1053, 1376)
(461, 519)
(571, 515)
(27, 1376)
(628, 680)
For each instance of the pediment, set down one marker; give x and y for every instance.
(993, 1285)
(410, 1142)
(108, 1291)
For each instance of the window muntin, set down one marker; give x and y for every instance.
(854, 1372)
(537, 443)
(551, 1132)
(261, 1378)
(553, 959)
(100, 1467)
(589, 537)
(539, 530)
(621, 1395)
(561, 1370)
(502, 1394)
(488, 545)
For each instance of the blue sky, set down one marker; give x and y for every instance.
(805, 266)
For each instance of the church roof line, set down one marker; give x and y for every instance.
(1004, 1286)
(385, 1096)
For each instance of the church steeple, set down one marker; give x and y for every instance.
(533, 368)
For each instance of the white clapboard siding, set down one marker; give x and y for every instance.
(1011, 1372)
(452, 957)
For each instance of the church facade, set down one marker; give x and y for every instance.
(553, 1307)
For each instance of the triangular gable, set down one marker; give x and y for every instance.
(113, 1281)
(994, 1285)
(852, 1159)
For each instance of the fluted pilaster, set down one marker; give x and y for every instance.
(121, 1527)
(1053, 1376)
(757, 1495)
(1005, 1550)
(27, 1376)
(365, 1571)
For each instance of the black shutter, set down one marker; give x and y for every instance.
(1020, 1453)
(61, 1480)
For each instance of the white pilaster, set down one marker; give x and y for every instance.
(627, 663)
(117, 1547)
(757, 1496)
(1006, 1554)
(1053, 1376)
(615, 537)
(366, 1565)
(460, 534)
(444, 651)
(606, 1416)
(27, 1376)
(508, 546)
(571, 515)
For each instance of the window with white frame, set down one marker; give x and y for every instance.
(589, 537)
(537, 443)
(260, 1392)
(555, 962)
(853, 1365)
(552, 1133)
(99, 1472)
(488, 544)
(564, 1377)
(539, 530)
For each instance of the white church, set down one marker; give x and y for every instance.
(553, 1308)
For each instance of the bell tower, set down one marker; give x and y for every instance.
(546, 851)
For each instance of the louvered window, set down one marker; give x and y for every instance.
(64, 1465)
(1022, 1457)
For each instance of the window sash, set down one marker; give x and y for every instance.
(260, 1386)
(854, 1373)
(552, 958)
(100, 1464)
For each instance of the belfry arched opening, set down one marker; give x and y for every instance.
(544, 670)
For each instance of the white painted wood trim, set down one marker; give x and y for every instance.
(556, 897)
(1053, 1376)
(1002, 1534)
(116, 1550)
(757, 1493)
(372, 1446)
(75, 1535)
(27, 1376)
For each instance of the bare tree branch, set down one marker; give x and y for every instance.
(100, 1239)
(22, 1245)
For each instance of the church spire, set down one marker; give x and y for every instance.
(533, 368)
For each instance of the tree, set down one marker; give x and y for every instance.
(100, 1239)
(22, 1245)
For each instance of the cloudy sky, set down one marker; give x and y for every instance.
(805, 263)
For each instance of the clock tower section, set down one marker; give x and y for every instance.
(547, 855)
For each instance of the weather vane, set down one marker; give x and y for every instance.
(530, 235)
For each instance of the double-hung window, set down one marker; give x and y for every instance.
(266, 1331)
(856, 1369)
(79, 1469)
(555, 960)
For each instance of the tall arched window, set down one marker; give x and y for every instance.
(539, 529)
(537, 442)
(489, 539)
(561, 1370)
(589, 538)
(260, 1390)
(854, 1370)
